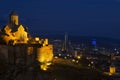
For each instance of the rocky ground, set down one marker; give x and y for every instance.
(60, 70)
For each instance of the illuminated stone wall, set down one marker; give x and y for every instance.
(21, 35)
(45, 53)
(14, 19)
(9, 35)
(112, 69)
(45, 56)
(14, 31)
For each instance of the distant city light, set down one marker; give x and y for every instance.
(117, 52)
(89, 65)
(93, 42)
(73, 60)
(65, 57)
(92, 62)
(36, 38)
(56, 57)
(59, 54)
(77, 61)
(78, 57)
(68, 55)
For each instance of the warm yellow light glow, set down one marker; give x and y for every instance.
(78, 57)
(17, 34)
(37, 39)
(30, 50)
(8, 38)
(45, 56)
(27, 39)
(46, 42)
(14, 19)
(44, 67)
(112, 69)
(21, 35)
(56, 57)
(48, 63)
(7, 30)
(73, 60)
(109, 74)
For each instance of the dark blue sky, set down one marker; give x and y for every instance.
(77, 17)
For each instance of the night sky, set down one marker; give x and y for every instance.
(76, 17)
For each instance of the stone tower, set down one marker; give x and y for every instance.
(13, 18)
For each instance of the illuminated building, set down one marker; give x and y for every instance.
(45, 56)
(112, 69)
(14, 31)
(25, 48)
(94, 45)
(64, 48)
(37, 39)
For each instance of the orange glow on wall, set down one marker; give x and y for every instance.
(37, 39)
(112, 69)
(14, 19)
(45, 55)
(14, 32)
(30, 50)
(21, 34)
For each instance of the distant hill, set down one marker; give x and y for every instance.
(101, 41)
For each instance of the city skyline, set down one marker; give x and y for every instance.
(54, 40)
(88, 17)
